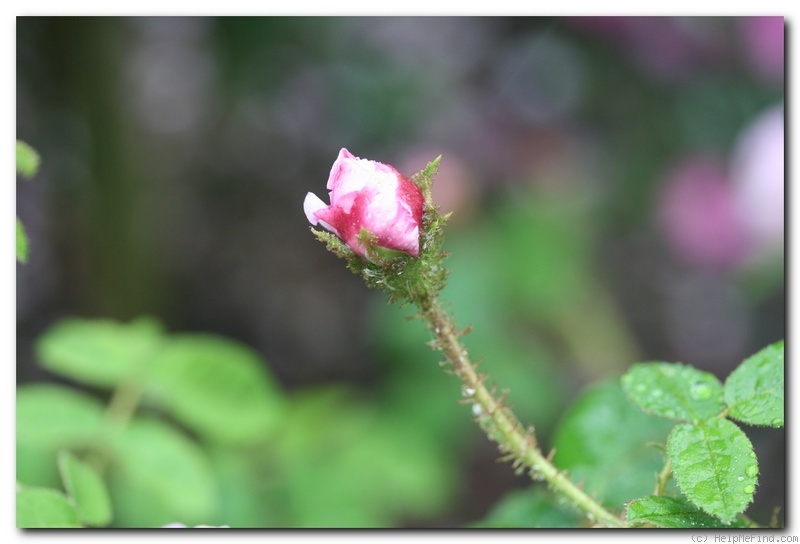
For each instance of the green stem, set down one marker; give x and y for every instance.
(498, 421)
(123, 404)
(663, 479)
(121, 409)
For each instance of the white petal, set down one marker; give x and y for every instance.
(311, 205)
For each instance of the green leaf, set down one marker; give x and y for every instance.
(40, 508)
(714, 465)
(49, 418)
(36, 466)
(22, 243)
(87, 489)
(424, 178)
(27, 159)
(755, 390)
(671, 513)
(52, 416)
(160, 476)
(218, 387)
(533, 508)
(674, 391)
(607, 444)
(99, 352)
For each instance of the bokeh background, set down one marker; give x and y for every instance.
(617, 189)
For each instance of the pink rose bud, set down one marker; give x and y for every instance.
(370, 195)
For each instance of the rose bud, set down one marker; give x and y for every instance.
(373, 196)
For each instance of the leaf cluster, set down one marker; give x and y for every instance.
(86, 501)
(614, 438)
(214, 388)
(193, 428)
(711, 458)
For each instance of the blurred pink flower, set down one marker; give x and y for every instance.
(758, 181)
(697, 214)
(763, 44)
(370, 195)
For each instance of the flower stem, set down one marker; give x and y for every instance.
(498, 421)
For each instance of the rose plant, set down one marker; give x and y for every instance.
(233, 432)
(374, 210)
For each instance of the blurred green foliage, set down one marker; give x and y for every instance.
(87, 489)
(42, 508)
(195, 431)
(604, 441)
(27, 160)
(533, 508)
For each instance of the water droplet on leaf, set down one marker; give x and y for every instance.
(749, 489)
(751, 471)
(700, 391)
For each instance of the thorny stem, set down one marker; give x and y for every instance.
(499, 422)
(419, 281)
